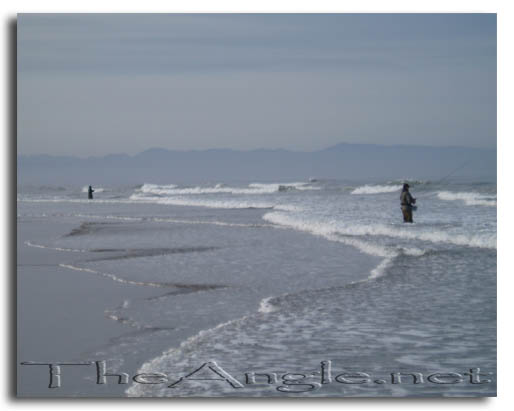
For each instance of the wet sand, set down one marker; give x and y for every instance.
(68, 312)
(61, 316)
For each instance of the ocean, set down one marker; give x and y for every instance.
(306, 288)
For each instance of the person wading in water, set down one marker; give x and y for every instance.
(90, 192)
(407, 202)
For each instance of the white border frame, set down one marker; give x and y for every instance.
(505, 10)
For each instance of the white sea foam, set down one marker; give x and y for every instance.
(266, 306)
(365, 246)
(208, 222)
(380, 269)
(166, 220)
(226, 204)
(274, 187)
(483, 240)
(150, 188)
(469, 198)
(112, 276)
(376, 189)
(72, 250)
(220, 188)
(328, 232)
(110, 217)
(166, 359)
(287, 207)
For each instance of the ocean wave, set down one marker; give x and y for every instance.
(253, 188)
(274, 187)
(226, 204)
(149, 188)
(376, 189)
(388, 253)
(168, 358)
(469, 198)
(330, 229)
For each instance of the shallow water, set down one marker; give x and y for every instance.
(278, 277)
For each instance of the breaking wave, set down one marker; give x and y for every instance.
(155, 188)
(274, 187)
(253, 188)
(334, 228)
(376, 189)
(469, 198)
(227, 204)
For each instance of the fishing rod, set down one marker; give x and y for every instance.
(453, 172)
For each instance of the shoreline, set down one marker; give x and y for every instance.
(52, 301)
(60, 299)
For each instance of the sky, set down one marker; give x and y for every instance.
(96, 84)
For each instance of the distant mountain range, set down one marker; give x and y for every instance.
(358, 162)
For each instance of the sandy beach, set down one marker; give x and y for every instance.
(147, 280)
(61, 316)
(70, 310)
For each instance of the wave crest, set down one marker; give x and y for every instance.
(469, 198)
(253, 188)
(376, 189)
(227, 204)
(332, 230)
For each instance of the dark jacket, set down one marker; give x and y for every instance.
(406, 199)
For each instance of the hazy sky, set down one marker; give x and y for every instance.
(99, 84)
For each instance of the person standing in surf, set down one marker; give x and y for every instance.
(90, 192)
(407, 202)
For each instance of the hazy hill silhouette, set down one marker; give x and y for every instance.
(342, 161)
